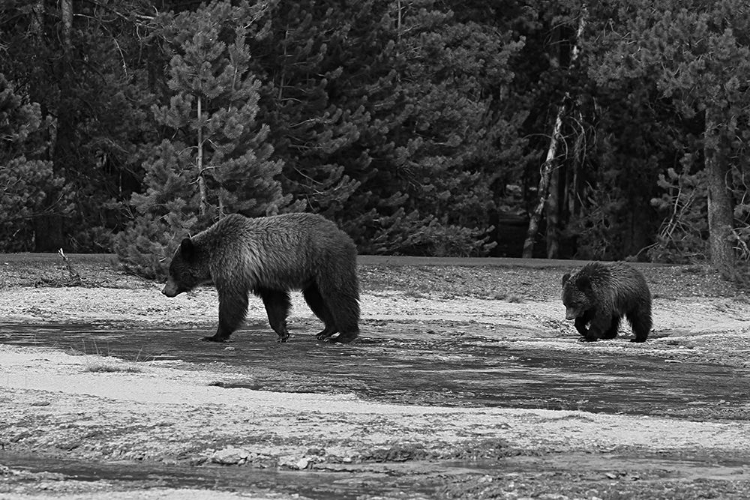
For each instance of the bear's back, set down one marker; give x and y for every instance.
(277, 251)
(605, 282)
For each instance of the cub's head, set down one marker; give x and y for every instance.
(187, 270)
(575, 295)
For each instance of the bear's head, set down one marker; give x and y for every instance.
(575, 295)
(187, 270)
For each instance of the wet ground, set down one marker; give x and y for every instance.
(429, 363)
(416, 480)
(421, 362)
(311, 485)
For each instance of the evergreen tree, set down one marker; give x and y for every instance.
(699, 54)
(214, 159)
(83, 63)
(389, 119)
(25, 178)
(307, 62)
(445, 131)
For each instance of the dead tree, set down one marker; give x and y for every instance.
(550, 164)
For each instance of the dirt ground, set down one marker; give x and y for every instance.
(65, 409)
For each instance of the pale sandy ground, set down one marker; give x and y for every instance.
(162, 411)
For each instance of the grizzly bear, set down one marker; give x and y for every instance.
(600, 294)
(270, 256)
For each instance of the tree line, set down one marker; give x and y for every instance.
(592, 129)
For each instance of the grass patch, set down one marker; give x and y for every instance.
(102, 362)
(508, 297)
(104, 365)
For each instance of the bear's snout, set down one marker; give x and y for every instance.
(170, 289)
(570, 313)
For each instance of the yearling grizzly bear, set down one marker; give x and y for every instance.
(269, 256)
(600, 294)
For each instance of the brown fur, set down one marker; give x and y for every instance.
(600, 294)
(270, 256)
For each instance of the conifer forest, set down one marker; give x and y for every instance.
(602, 130)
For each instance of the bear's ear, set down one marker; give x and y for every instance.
(187, 248)
(584, 283)
(566, 277)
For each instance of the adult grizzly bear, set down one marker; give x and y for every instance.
(270, 256)
(600, 294)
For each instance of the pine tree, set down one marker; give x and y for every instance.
(25, 178)
(699, 55)
(309, 61)
(436, 130)
(388, 121)
(214, 159)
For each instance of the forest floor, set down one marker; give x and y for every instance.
(466, 382)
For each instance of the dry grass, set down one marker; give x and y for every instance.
(110, 365)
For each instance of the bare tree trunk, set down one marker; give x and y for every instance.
(548, 183)
(398, 23)
(720, 212)
(549, 164)
(203, 204)
(572, 193)
(553, 189)
(553, 215)
(37, 18)
(49, 226)
(66, 13)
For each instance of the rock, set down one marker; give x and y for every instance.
(230, 456)
(292, 462)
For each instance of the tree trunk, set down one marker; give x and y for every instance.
(549, 181)
(553, 188)
(720, 210)
(66, 13)
(49, 227)
(201, 180)
(549, 164)
(36, 25)
(553, 215)
(572, 196)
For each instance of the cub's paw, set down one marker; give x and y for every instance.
(325, 334)
(342, 339)
(214, 338)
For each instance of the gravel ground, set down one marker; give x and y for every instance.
(55, 405)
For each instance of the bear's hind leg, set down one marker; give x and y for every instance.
(277, 304)
(640, 320)
(336, 280)
(344, 308)
(232, 311)
(613, 329)
(319, 308)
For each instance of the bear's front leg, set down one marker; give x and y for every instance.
(344, 337)
(232, 310)
(580, 324)
(598, 328)
(326, 333)
(214, 338)
(222, 333)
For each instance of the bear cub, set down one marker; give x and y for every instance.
(269, 256)
(600, 294)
